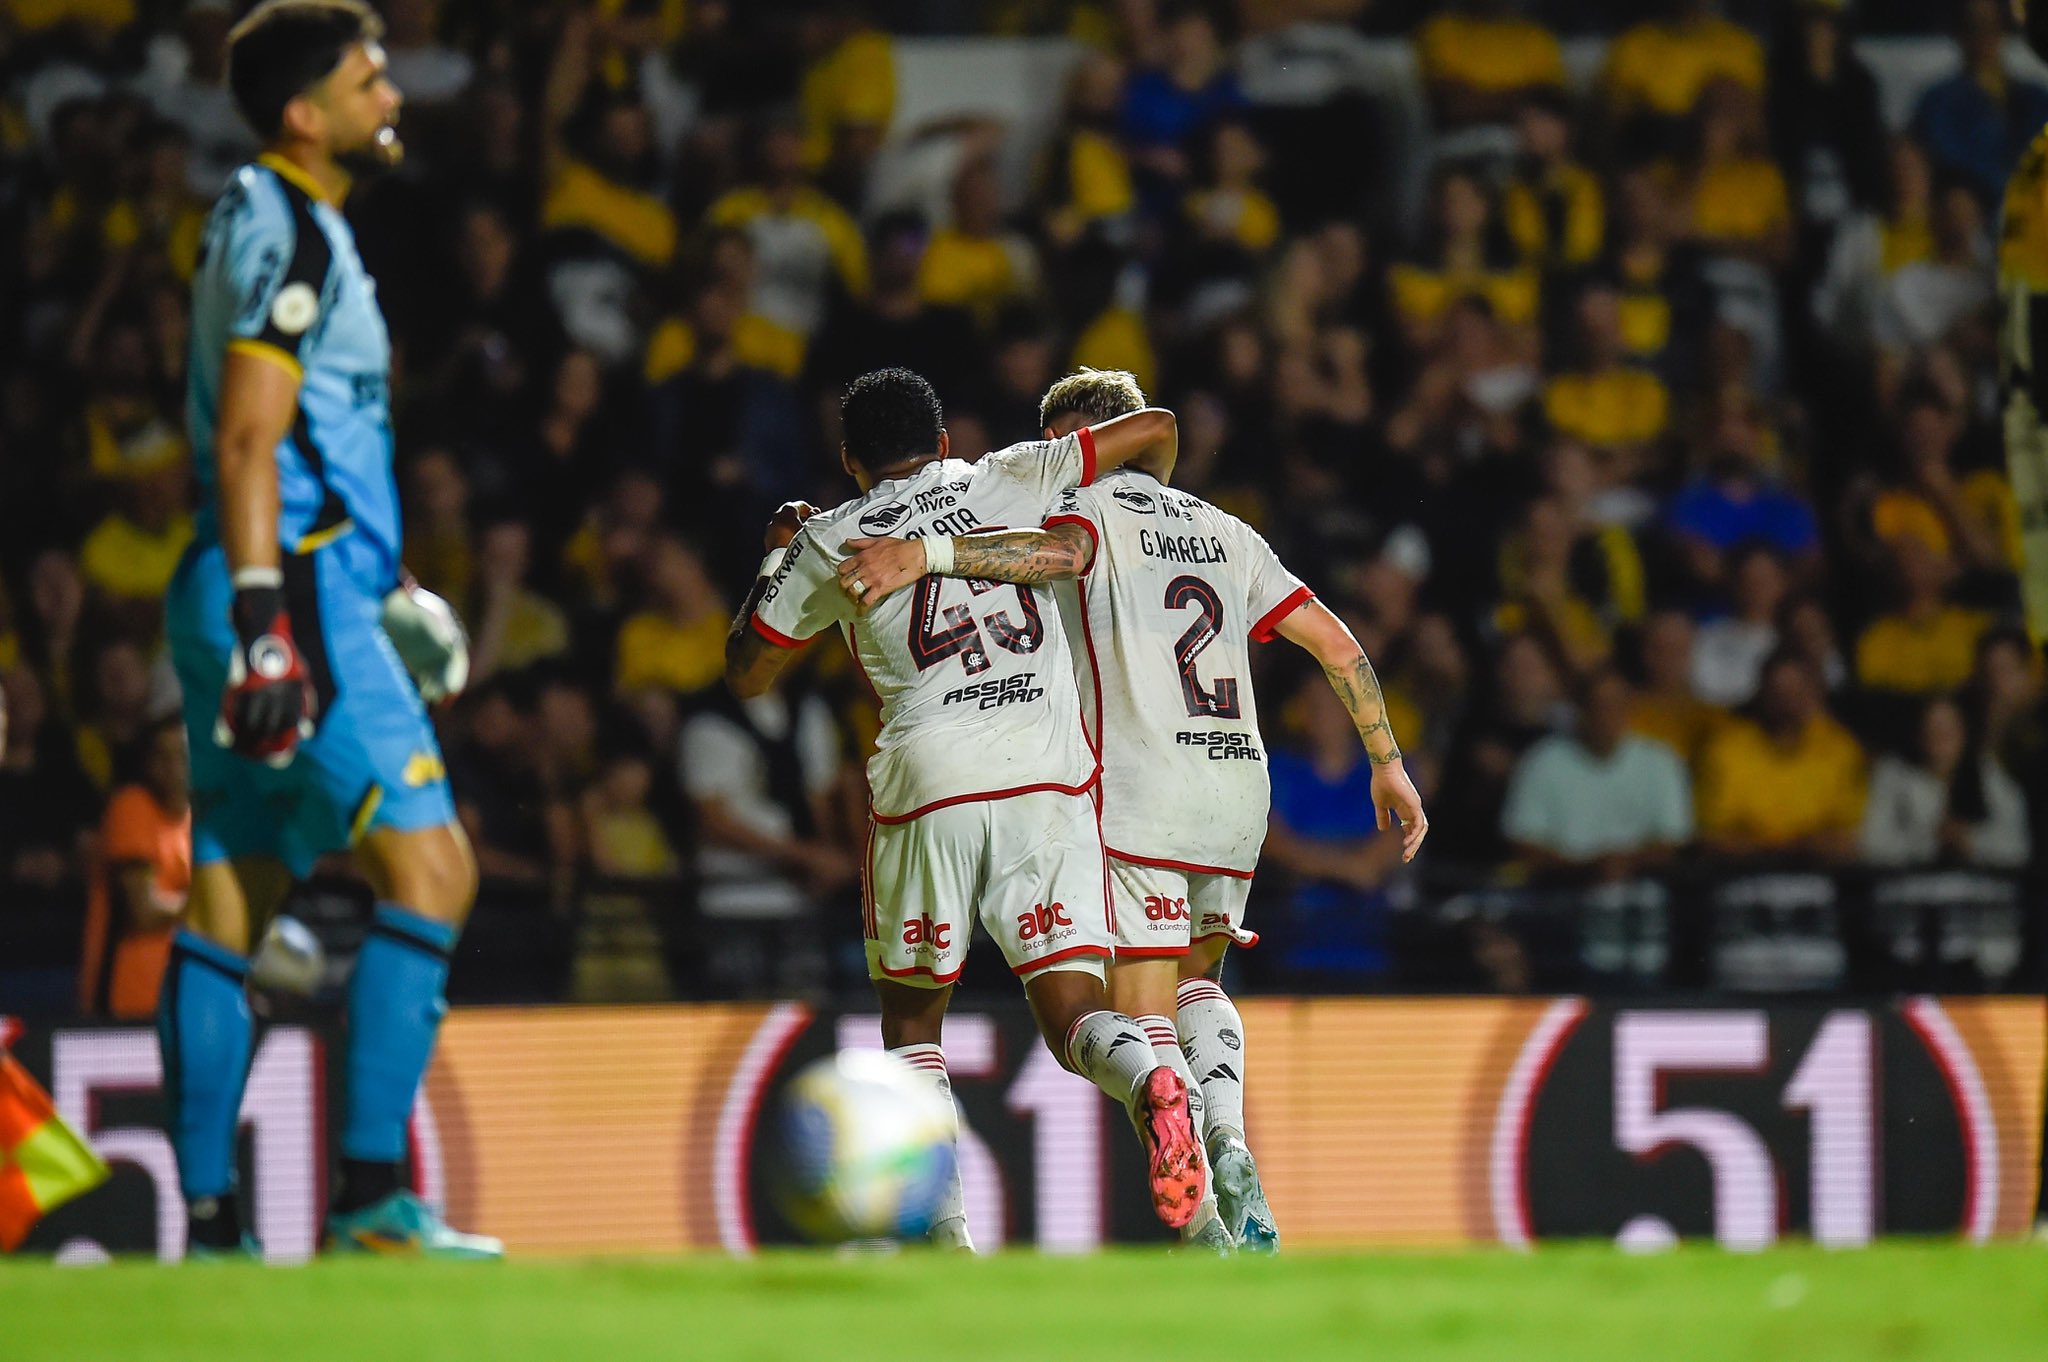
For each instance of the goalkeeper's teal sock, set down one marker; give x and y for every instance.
(394, 1009)
(206, 1032)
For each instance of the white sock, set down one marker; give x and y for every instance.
(1109, 1050)
(1213, 1035)
(1166, 1050)
(950, 1225)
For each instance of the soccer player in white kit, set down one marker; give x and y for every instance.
(983, 781)
(1171, 589)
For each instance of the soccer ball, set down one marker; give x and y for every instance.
(863, 1149)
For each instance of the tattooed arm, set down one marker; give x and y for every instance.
(881, 567)
(1351, 676)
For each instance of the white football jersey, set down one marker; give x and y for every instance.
(975, 678)
(1176, 591)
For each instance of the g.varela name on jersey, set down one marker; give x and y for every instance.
(1176, 591)
(975, 678)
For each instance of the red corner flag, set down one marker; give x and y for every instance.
(42, 1164)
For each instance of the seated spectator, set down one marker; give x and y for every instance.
(129, 557)
(1787, 784)
(119, 710)
(1482, 57)
(185, 79)
(1978, 121)
(1474, 391)
(1735, 501)
(1926, 645)
(1554, 208)
(160, 220)
(2006, 692)
(52, 633)
(1826, 128)
(893, 325)
(1227, 211)
(1607, 404)
(1666, 707)
(975, 262)
(1738, 200)
(1808, 630)
(598, 158)
(1970, 517)
(1527, 703)
(1166, 105)
(512, 626)
(438, 551)
(493, 766)
(677, 640)
(1323, 834)
(1549, 589)
(128, 426)
(1871, 248)
(1729, 652)
(1601, 804)
(806, 246)
(1090, 190)
(1466, 254)
(1660, 68)
(848, 94)
(140, 879)
(774, 823)
(624, 837)
(47, 806)
(1953, 804)
(757, 341)
(1664, 299)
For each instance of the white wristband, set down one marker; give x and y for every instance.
(938, 554)
(772, 564)
(246, 578)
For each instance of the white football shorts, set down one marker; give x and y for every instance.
(1161, 909)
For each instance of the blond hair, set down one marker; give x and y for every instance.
(1098, 394)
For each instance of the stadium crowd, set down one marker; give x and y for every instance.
(1656, 462)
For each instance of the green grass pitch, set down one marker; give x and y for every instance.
(1578, 1304)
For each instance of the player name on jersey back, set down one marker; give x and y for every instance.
(975, 678)
(1177, 591)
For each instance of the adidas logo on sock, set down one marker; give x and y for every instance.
(1220, 1071)
(1124, 1039)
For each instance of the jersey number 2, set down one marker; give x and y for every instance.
(1220, 703)
(939, 632)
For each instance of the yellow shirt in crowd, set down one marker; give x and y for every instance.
(1742, 201)
(637, 223)
(1898, 654)
(854, 85)
(1494, 56)
(120, 558)
(1617, 407)
(1661, 68)
(1524, 208)
(656, 652)
(1423, 294)
(1751, 789)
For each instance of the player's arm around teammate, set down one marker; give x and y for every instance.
(875, 569)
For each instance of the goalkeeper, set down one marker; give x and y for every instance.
(306, 734)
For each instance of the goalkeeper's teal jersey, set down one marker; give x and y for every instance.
(279, 278)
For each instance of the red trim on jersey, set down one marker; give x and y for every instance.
(1093, 534)
(1108, 898)
(1149, 952)
(1188, 866)
(867, 888)
(938, 980)
(773, 635)
(1032, 967)
(989, 796)
(1093, 739)
(1087, 439)
(1230, 937)
(1263, 630)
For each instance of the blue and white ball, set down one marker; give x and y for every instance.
(863, 1149)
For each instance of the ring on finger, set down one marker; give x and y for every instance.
(860, 588)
